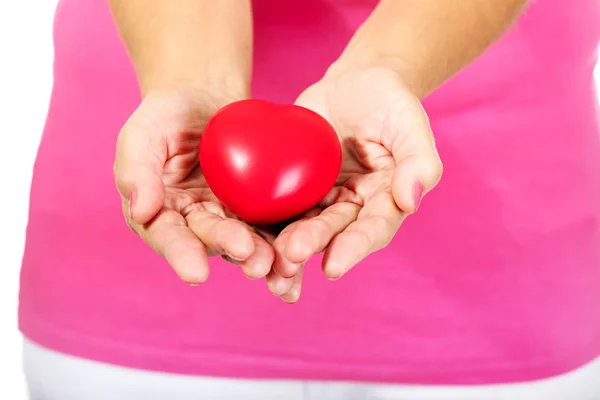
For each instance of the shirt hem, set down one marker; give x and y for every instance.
(152, 358)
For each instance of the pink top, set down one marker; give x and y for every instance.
(496, 279)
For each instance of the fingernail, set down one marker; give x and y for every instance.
(303, 263)
(236, 259)
(417, 194)
(194, 284)
(334, 272)
(335, 278)
(292, 296)
(132, 200)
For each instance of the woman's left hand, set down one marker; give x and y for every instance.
(389, 163)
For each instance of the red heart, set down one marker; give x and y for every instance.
(268, 163)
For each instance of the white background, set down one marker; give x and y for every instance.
(25, 84)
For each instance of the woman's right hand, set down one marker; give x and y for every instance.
(166, 199)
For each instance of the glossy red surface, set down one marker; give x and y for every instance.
(269, 163)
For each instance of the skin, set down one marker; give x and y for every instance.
(371, 95)
(178, 45)
(165, 197)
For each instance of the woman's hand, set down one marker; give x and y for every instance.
(165, 197)
(389, 163)
(390, 160)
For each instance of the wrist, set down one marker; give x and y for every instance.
(233, 83)
(187, 43)
(201, 99)
(428, 42)
(368, 57)
(370, 48)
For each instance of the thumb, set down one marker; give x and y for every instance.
(418, 165)
(140, 157)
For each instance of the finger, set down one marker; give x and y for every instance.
(293, 294)
(133, 226)
(277, 284)
(261, 261)
(311, 236)
(418, 165)
(170, 237)
(140, 156)
(374, 228)
(220, 235)
(282, 266)
(233, 238)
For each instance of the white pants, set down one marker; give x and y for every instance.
(54, 376)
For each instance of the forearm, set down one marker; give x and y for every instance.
(428, 41)
(187, 43)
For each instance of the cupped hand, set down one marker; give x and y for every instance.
(165, 197)
(389, 163)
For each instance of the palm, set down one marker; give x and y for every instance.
(184, 182)
(365, 109)
(381, 127)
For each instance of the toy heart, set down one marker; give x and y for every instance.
(268, 163)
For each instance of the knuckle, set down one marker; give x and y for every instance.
(121, 185)
(191, 211)
(438, 168)
(122, 181)
(344, 214)
(320, 225)
(384, 233)
(367, 238)
(148, 239)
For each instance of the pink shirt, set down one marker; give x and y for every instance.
(496, 279)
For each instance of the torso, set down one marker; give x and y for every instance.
(496, 279)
